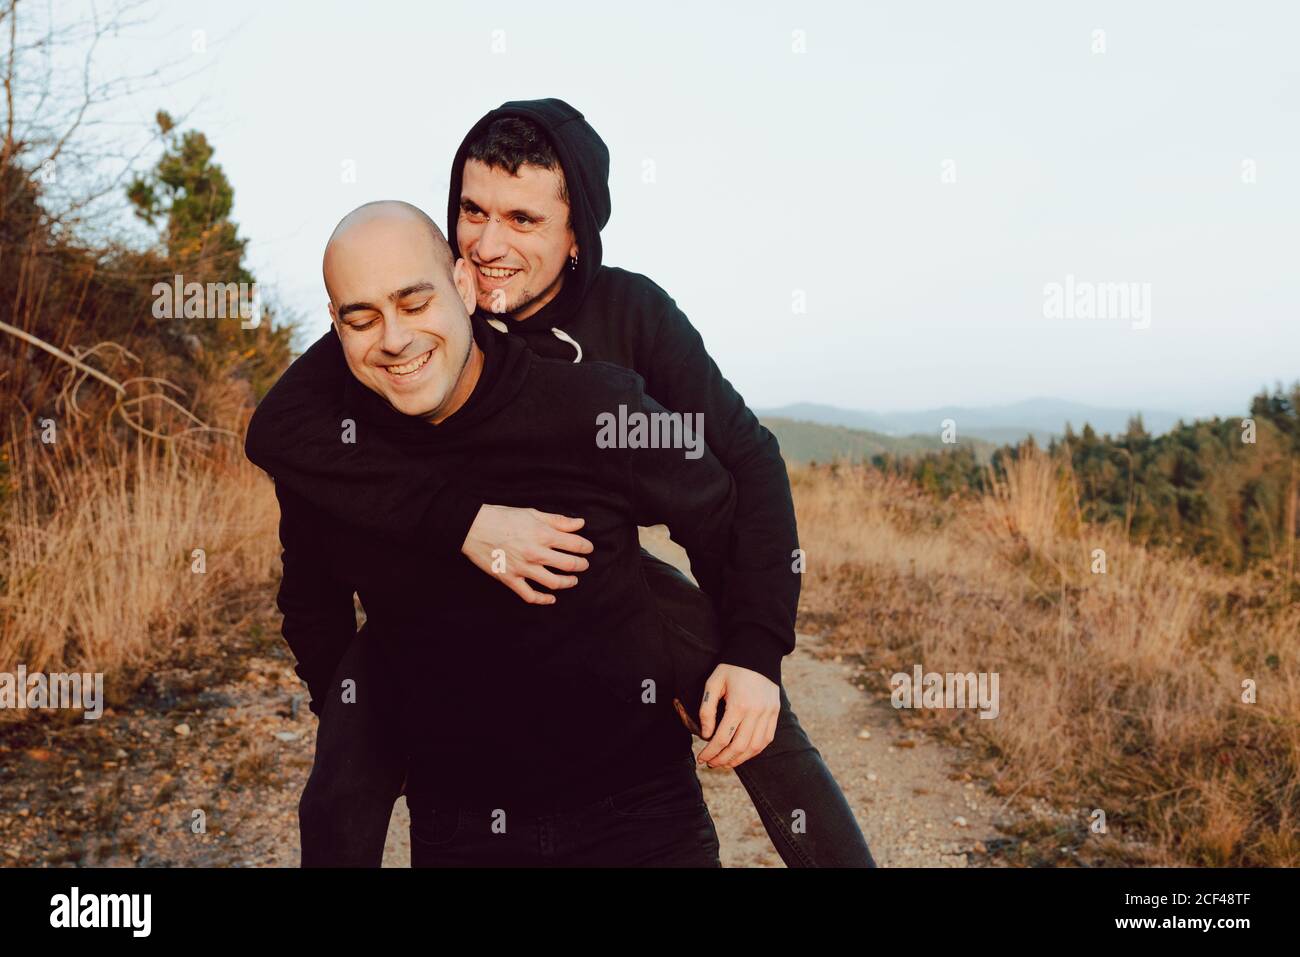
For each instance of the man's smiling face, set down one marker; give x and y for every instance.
(514, 230)
(401, 310)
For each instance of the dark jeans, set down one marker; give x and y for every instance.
(360, 764)
(660, 822)
(359, 767)
(797, 798)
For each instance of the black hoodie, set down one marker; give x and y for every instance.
(585, 160)
(600, 313)
(504, 703)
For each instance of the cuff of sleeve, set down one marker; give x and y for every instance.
(448, 519)
(757, 651)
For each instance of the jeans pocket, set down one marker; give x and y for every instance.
(672, 794)
(434, 827)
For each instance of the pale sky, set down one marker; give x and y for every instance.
(776, 171)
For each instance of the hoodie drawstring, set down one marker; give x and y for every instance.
(560, 334)
(565, 337)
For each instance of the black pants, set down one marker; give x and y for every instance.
(360, 762)
(661, 822)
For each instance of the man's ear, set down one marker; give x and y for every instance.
(334, 318)
(466, 284)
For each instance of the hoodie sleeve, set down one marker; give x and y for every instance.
(300, 436)
(319, 616)
(689, 491)
(761, 598)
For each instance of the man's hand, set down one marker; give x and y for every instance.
(516, 544)
(749, 720)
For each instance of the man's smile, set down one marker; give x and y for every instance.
(408, 370)
(495, 275)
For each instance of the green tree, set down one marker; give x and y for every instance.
(189, 199)
(1198, 488)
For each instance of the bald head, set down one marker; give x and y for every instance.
(384, 221)
(401, 309)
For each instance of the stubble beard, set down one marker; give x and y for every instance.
(450, 394)
(526, 298)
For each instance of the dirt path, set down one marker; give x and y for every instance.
(905, 798)
(227, 735)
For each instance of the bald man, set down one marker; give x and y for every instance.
(527, 198)
(528, 734)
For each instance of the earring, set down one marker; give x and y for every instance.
(573, 262)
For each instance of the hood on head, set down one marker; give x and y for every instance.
(585, 161)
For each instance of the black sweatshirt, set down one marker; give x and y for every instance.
(503, 703)
(601, 313)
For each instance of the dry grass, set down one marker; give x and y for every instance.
(98, 570)
(1120, 690)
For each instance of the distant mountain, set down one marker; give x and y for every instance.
(1000, 424)
(814, 442)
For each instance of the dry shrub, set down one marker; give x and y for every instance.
(1119, 689)
(98, 570)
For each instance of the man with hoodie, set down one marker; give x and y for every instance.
(486, 695)
(528, 198)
